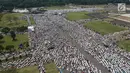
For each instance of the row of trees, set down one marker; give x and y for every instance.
(11, 48)
(36, 3)
(6, 30)
(12, 33)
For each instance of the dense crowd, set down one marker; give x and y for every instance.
(120, 23)
(108, 55)
(72, 47)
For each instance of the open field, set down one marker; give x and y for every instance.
(108, 19)
(99, 15)
(103, 27)
(77, 15)
(88, 6)
(51, 68)
(125, 44)
(31, 69)
(20, 39)
(56, 7)
(67, 7)
(14, 20)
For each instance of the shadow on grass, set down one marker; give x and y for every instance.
(14, 40)
(1, 42)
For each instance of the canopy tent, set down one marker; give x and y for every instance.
(31, 28)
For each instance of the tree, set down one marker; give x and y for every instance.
(1, 15)
(6, 59)
(0, 61)
(20, 57)
(5, 30)
(1, 36)
(26, 44)
(22, 29)
(9, 4)
(10, 48)
(13, 35)
(1, 48)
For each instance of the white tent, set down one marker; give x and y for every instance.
(20, 10)
(30, 28)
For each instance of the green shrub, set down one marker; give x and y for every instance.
(21, 29)
(9, 47)
(5, 30)
(1, 48)
(1, 15)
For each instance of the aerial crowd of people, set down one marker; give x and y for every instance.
(72, 47)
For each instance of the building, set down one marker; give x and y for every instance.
(20, 10)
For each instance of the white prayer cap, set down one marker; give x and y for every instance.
(60, 13)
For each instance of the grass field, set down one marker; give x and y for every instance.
(13, 20)
(86, 6)
(57, 7)
(77, 15)
(108, 19)
(51, 68)
(20, 39)
(103, 27)
(125, 44)
(31, 20)
(31, 69)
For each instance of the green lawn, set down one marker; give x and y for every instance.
(31, 69)
(77, 15)
(20, 39)
(13, 20)
(32, 20)
(108, 19)
(103, 27)
(86, 6)
(125, 44)
(56, 7)
(51, 68)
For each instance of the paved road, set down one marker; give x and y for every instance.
(28, 19)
